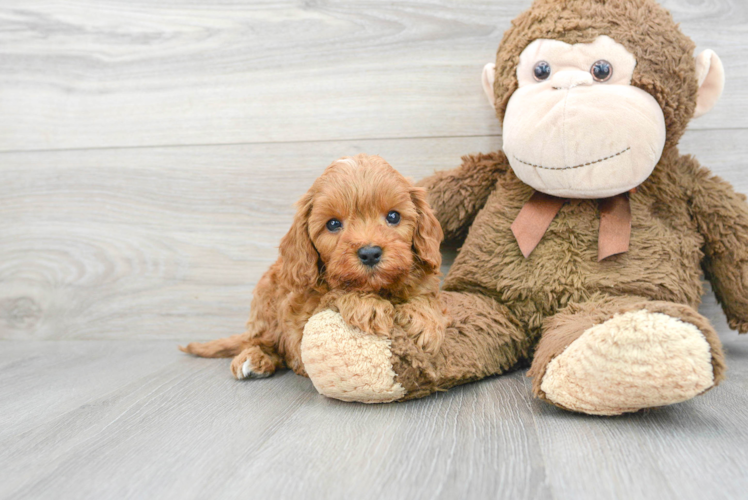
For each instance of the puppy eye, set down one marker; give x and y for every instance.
(601, 71)
(541, 71)
(334, 225)
(393, 217)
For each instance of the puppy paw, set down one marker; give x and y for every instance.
(252, 363)
(423, 322)
(371, 314)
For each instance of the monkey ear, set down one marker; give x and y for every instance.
(489, 74)
(711, 76)
(428, 234)
(299, 258)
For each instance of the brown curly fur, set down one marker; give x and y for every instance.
(319, 269)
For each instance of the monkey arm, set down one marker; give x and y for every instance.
(722, 218)
(457, 195)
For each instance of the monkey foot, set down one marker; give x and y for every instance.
(347, 364)
(632, 361)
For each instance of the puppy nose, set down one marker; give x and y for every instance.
(568, 79)
(370, 256)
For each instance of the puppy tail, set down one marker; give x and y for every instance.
(221, 348)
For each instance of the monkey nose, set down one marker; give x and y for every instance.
(369, 255)
(568, 79)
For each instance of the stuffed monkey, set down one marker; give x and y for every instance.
(584, 240)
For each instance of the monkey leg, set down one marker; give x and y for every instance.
(615, 355)
(344, 363)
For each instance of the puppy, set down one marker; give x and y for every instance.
(363, 242)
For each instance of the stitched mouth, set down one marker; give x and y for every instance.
(575, 166)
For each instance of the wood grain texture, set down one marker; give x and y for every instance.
(181, 427)
(169, 242)
(188, 430)
(694, 450)
(160, 242)
(76, 374)
(106, 73)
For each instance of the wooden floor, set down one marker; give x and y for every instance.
(150, 152)
(115, 419)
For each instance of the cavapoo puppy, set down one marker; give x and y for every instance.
(363, 242)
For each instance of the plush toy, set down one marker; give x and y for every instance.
(585, 239)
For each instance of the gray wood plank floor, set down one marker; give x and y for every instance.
(118, 419)
(150, 152)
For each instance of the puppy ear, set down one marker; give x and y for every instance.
(428, 234)
(299, 267)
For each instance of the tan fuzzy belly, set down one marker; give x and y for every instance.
(661, 264)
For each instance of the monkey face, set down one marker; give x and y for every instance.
(577, 85)
(576, 127)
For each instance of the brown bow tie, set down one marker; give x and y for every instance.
(538, 213)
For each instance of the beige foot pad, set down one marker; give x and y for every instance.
(347, 364)
(632, 361)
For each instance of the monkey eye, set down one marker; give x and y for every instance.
(393, 217)
(601, 71)
(334, 225)
(541, 71)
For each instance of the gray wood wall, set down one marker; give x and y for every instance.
(150, 152)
